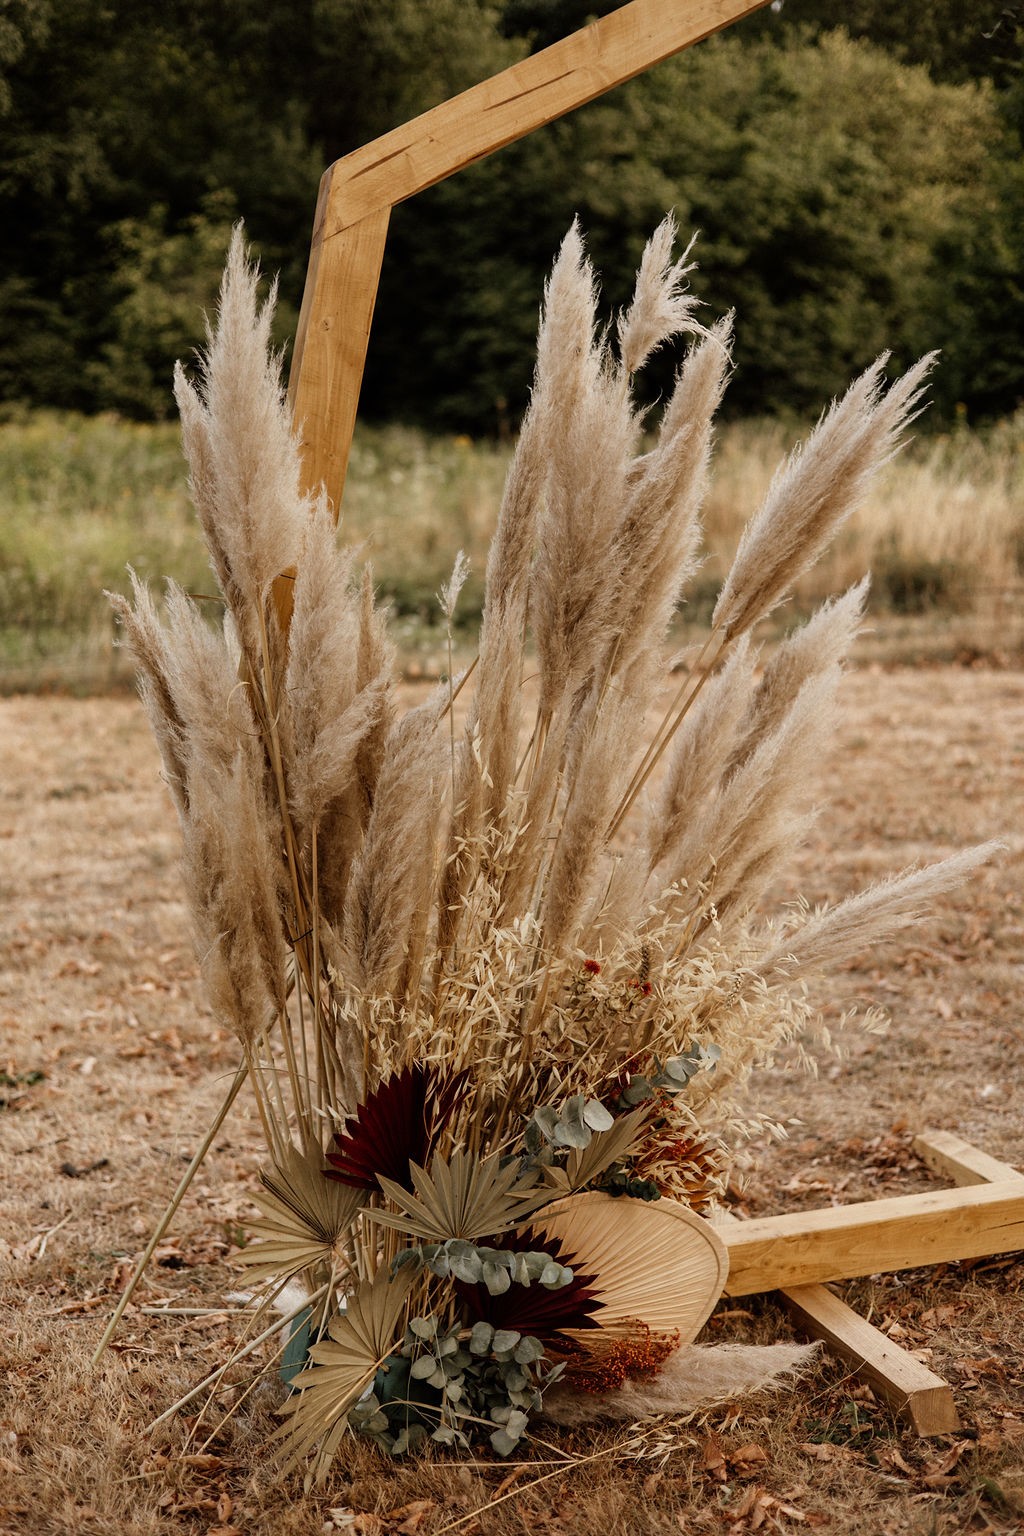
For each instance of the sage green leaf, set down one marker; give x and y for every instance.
(596, 1116)
(606, 1148)
(503, 1443)
(496, 1278)
(480, 1338)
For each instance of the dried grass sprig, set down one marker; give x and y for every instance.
(832, 935)
(244, 458)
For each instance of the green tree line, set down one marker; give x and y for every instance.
(854, 169)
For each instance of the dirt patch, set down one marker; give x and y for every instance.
(111, 1066)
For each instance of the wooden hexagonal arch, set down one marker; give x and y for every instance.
(358, 192)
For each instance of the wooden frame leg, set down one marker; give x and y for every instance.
(983, 1214)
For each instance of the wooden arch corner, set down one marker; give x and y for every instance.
(358, 192)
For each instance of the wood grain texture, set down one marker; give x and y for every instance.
(959, 1161)
(524, 97)
(330, 347)
(899, 1377)
(812, 1247)
(895, 1374)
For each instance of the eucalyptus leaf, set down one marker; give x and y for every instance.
(467, 1267)
(503, 1443)
(480, 1338)
(596, 1116)
(547, 1120)
(496, 1278)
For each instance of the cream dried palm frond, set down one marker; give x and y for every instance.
(585, 1164)
(465, 1197)
(361, 1339)
(655, 1262)
(306, 1217)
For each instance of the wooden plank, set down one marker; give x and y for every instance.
(959, 1161)
(330, 346)
(895, 1374)
(899, 1377)
(529, 94)
(812, 1247)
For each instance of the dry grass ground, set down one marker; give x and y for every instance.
(112, 1066)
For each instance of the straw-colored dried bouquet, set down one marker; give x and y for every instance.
(496, 963)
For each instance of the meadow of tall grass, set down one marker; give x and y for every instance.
(83, 497)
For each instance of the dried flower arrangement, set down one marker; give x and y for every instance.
(497, 1036)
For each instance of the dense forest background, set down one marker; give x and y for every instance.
(854, 168)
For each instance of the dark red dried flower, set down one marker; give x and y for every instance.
(593, 966)
(398, 1125)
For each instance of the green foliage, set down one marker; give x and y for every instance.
(851, 194)
(453, 1386)
(496, 1268)
(671, 1077)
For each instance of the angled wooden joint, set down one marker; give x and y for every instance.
(358, 192)
(799, 1253)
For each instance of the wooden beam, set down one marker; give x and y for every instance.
(330, 346)
(358, 192)
(895, 1374)
(523, 97)
(810, 1247)
(957, 1160)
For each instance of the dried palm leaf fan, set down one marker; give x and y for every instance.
(658, 1263)
(468, 1009)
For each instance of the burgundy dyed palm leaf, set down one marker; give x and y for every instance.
(535, 1309)
(398, 1125)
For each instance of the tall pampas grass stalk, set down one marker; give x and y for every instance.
(461, 987)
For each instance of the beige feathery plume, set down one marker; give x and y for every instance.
(697, 1376)
(823, 642)
(660, 309)
(652, 553)
(233, 872)
(702, 747)
(601, 770)
(836, 933)
(588, 433)
(816, 490)
(202, 675)
(375, 668)
(393, 876)
(764, 804)
(329, 718)
(343, 822)
(244, 458)
(497, 709)
(144, 640)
